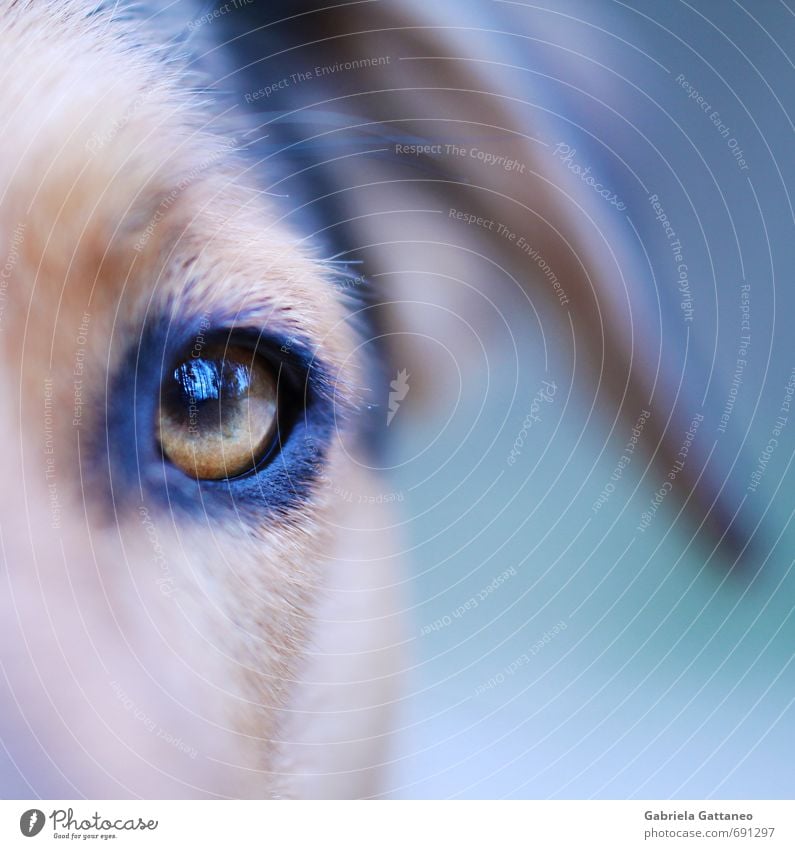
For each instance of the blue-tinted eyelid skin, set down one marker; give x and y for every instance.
(127, 457)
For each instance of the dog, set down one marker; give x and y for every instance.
(196, 207)
(170, 629)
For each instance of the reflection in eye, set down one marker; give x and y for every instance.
(218, 413)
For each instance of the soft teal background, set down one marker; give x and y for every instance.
(674, 675)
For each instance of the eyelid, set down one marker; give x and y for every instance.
(128, 464)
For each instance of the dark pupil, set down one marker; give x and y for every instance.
(200, 382)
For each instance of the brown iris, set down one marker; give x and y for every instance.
(218, 412)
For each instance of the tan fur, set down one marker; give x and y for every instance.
(99, 146)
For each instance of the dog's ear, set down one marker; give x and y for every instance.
(444, 160)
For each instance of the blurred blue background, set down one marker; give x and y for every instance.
(671, 674)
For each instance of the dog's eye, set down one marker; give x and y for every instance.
(218, 412)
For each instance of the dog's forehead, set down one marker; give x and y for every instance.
(115, 201)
